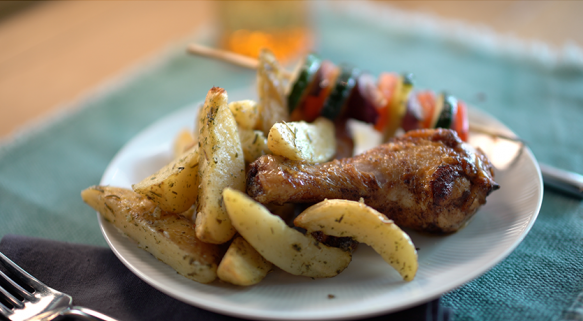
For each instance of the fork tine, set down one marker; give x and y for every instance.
(4, 310)
(9, 297)
(24, 276)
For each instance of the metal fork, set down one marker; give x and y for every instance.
(42, 303)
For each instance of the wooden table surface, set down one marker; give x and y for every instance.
(56, 51)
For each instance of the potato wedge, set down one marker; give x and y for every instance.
(221, 164)
(285, 247)
(253, 143)
(346, 218)
(171, 238)
(242, 264)
(183, 142)
(174, 187)
(271, 87)
(311, 142)
(246, 113)
(199, 120)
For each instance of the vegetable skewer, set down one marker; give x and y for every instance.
(321, 88)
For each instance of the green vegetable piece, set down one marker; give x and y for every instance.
(408, 79)
(305, 77)
(340, 93)
(448, 112)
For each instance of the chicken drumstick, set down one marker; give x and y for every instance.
(427, 180)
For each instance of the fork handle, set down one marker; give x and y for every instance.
(85, 314)
(565, 181)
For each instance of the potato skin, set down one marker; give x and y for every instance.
(285, 247)
(221, 165)
(169, 237)
(174, 187)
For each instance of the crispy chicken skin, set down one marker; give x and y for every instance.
(427, 180)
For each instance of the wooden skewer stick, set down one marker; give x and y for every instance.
(223, 55)
(488, 130)
(228, 56)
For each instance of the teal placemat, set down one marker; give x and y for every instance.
(43, 172)
(539, 97)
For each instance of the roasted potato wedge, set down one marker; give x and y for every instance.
(285, 247)
(183, 142)
(221, 164)
(242, 264)
(253, 143)
(174, 187)
(346, 218)
(246, 113)
(271, 88)
(311, 142)
(199, 120)
(171, 238)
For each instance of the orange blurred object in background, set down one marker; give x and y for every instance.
(281, 26)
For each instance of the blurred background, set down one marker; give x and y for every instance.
(53, 52)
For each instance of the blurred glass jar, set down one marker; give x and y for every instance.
(281, 26)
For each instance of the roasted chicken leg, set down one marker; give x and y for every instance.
(427, 180)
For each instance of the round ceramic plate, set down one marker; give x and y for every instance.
(369, 286)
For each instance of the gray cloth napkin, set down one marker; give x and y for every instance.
(98, 280)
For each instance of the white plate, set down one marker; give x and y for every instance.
(368, 286)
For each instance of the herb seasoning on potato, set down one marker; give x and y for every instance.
(221, 165)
